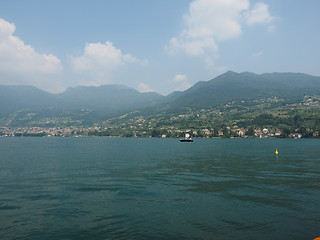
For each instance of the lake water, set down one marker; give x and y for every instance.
(126, 188)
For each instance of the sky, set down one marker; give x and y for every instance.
(158, 45)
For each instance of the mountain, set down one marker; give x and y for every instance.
(104, 100)
(107, 98)
(92, 104)
(13, 98)
(246, 86)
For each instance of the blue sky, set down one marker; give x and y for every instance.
(159, 45)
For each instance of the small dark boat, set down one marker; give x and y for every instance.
(187, 138)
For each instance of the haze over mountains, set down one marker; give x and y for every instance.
(108, 100)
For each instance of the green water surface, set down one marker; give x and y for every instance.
(126, 188)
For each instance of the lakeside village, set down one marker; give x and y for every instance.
(74, 131)
(272, 124)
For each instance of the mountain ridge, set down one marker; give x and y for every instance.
(232, 86)
(105, 99)
(110, 100)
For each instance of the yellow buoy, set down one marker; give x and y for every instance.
(276, 152)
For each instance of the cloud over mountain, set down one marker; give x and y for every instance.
(142, 87)
(181, 82)
(99, 60)
(21, 63)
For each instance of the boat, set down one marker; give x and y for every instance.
(186, 138)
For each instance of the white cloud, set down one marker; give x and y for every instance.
(130, 59)
(183, 86)
(180, 77)
(142, 87)
(181, 82)
(271, 28)
(257, 54)
(259, 14)
(215, 18)
(6, 29)
(99, 60)
(98, 56)
(209, 22)
(21, 64)
(193, 47)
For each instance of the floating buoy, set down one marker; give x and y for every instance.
(276, 152)
(318, 238)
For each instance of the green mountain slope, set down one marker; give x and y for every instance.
(25, 104)
(246, 86)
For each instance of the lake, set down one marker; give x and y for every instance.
(133, 188)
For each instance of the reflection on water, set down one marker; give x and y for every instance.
(110, 188)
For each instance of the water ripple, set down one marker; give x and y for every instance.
(101, 188)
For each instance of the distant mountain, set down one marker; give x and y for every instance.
(233, 86)
(105, 99)
(93, 104)
(13, 98)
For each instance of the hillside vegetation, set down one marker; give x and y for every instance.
(286, 102)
